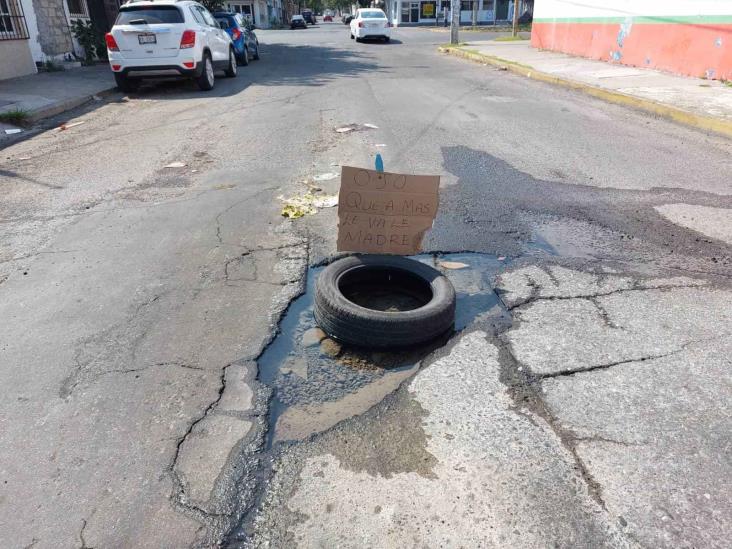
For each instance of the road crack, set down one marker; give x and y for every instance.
(536, 298)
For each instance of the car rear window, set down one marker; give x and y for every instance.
(373, 15)
(152, 15)
(225, 23)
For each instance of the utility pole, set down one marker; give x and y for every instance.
(455, 11)
(475, 14)
(515, 17)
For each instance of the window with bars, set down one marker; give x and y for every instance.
(12, 21)
(77, 8)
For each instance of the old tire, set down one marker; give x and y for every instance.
(346, 321)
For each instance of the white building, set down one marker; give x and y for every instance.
(429, 12)
(259, 12)
(16, 58)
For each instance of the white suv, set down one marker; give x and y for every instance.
(168, 38)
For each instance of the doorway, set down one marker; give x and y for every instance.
(502, 10)
(410, 12)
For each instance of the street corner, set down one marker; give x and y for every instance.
(489, 472)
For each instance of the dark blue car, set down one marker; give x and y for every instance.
(245, 41)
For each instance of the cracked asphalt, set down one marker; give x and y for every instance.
(136, 300)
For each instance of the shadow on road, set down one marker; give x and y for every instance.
(280, 65)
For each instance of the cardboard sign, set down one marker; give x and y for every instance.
(385, 213)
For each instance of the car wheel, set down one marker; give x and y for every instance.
(230, 71)
(125, 83)
(206, 79)
(347, 311)
(256, 51)
(386, 38)
(352, 37)
(358, 39)
(244, 57)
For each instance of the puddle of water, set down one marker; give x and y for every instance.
(318, 384)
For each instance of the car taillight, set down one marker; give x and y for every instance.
(360, 24)
(187, 39)
(111, 42)
(116, 67)
(236, 34)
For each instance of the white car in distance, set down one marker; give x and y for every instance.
(370, 23)
(168, 38)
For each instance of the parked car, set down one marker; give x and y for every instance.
(168, 38)
(347, 17)
(245, 41)
(327, 18)
(309, 16)
(298, 22)
(370, 23)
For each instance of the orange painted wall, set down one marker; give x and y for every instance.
(690, 49)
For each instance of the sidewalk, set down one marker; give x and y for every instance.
(49, 93)
(704, 104)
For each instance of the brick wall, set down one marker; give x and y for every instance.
(53, 29)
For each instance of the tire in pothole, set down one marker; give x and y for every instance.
(383, 301)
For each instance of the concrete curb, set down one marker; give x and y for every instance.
(698, 121)
(66, 105)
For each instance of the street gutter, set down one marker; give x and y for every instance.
(681, 116)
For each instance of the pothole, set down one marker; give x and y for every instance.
(318, 382)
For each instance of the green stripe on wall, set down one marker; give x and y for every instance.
(644, 20)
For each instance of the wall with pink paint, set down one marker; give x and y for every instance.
(686, 37)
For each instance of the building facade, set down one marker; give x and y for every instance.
(690, 38)
(258, 12)
(432, 12)
(15, 54)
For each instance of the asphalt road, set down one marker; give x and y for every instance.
(591, 408)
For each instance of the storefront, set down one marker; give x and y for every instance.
(430, 12)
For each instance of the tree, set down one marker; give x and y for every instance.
(315, 5)
(213, 5)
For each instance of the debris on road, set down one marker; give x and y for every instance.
(64, 127)
(325, 176)
(355, 128)
(452, 265)
(175, 165)
(326, 201)
(307, 204)
(13, 130)
(381, 301)
(312, 337)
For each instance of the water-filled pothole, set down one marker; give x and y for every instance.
(318, 382)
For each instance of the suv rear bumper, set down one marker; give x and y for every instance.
(160, 71)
